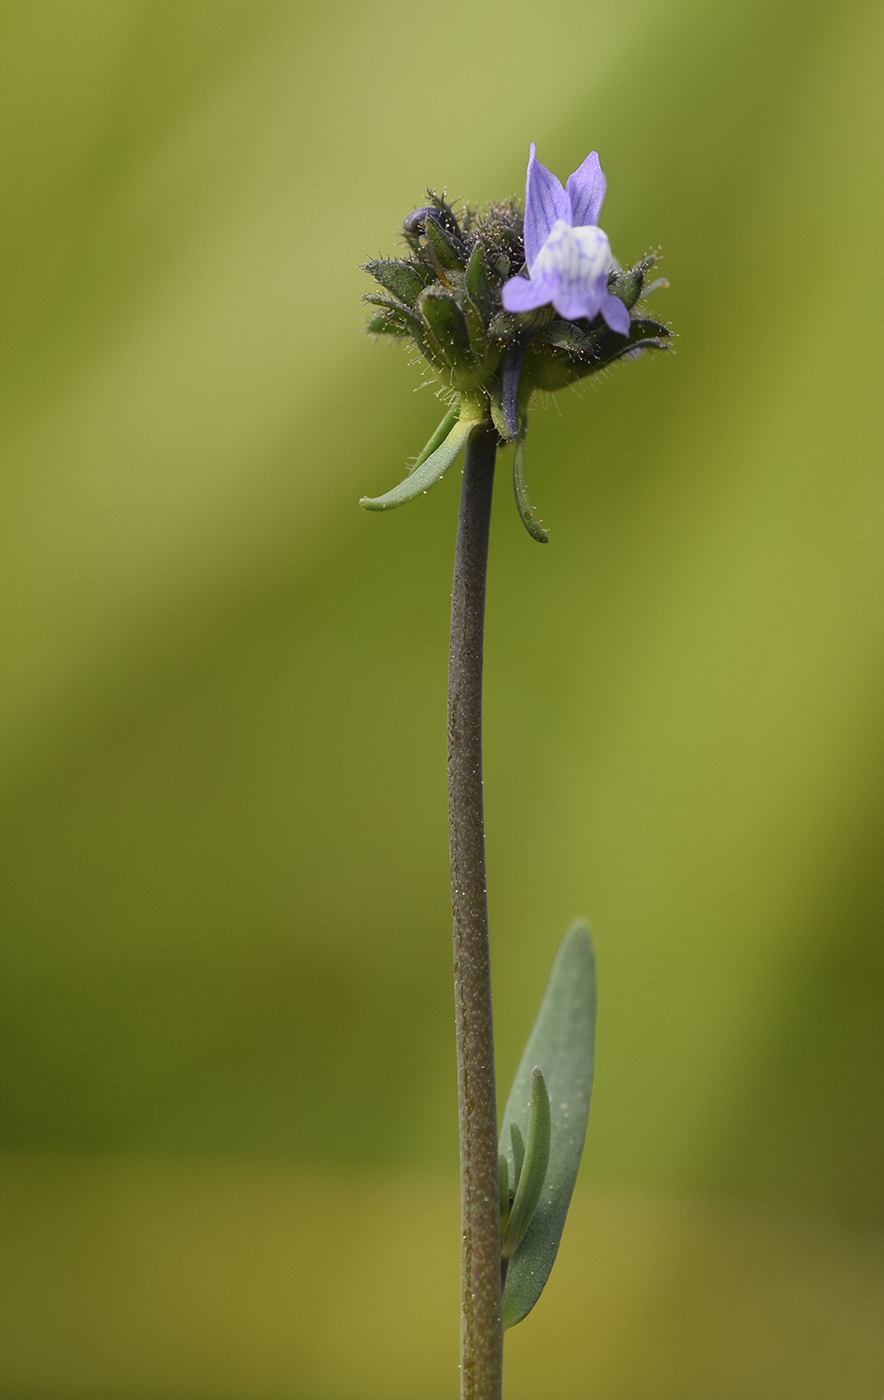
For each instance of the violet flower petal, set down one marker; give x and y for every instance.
(545, 202)
(575, 300)
(520, 294)
(586, 191)
(616, 315)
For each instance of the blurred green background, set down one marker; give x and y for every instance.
(228, 1162)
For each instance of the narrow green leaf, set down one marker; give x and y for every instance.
(518, 1145)
(503, 1177)
(643, 326)
(381, 325)
(644, 334)
(437, 439)
(427, 474)
(561, 1043)
(399, 310)
(400, 278)
(527, 513)
(534, 1170)
(636, 347)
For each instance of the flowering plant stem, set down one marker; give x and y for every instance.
(481, 1325)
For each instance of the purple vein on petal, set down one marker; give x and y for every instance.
(586, 191)
(545, 201)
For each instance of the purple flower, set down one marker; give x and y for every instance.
(567, 254)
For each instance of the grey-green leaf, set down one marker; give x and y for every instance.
(427, 474)
(518, 1144)
(503, 1181)
(437, 439)
(561, 1043)
(533, 1172)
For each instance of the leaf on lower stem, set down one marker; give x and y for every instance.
(531, 1177)
(503, 1177)
(561, 1043)
(518, 1144)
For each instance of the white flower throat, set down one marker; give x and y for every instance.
(573, 256)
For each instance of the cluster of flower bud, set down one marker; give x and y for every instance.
(445, 295)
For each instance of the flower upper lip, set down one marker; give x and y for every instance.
(567, 255)
(578, 204)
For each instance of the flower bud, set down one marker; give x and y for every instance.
(448, 249)
(628, 284)
(448, 327)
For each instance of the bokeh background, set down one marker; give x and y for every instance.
(228, 1162)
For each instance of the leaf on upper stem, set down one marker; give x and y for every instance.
(437, 439)
(431, 470)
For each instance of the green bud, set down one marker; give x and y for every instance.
(478, 286)
(448, 325)
(628, 285)
(476, 330)
(448, 250)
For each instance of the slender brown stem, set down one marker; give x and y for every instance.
(481, 1327)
